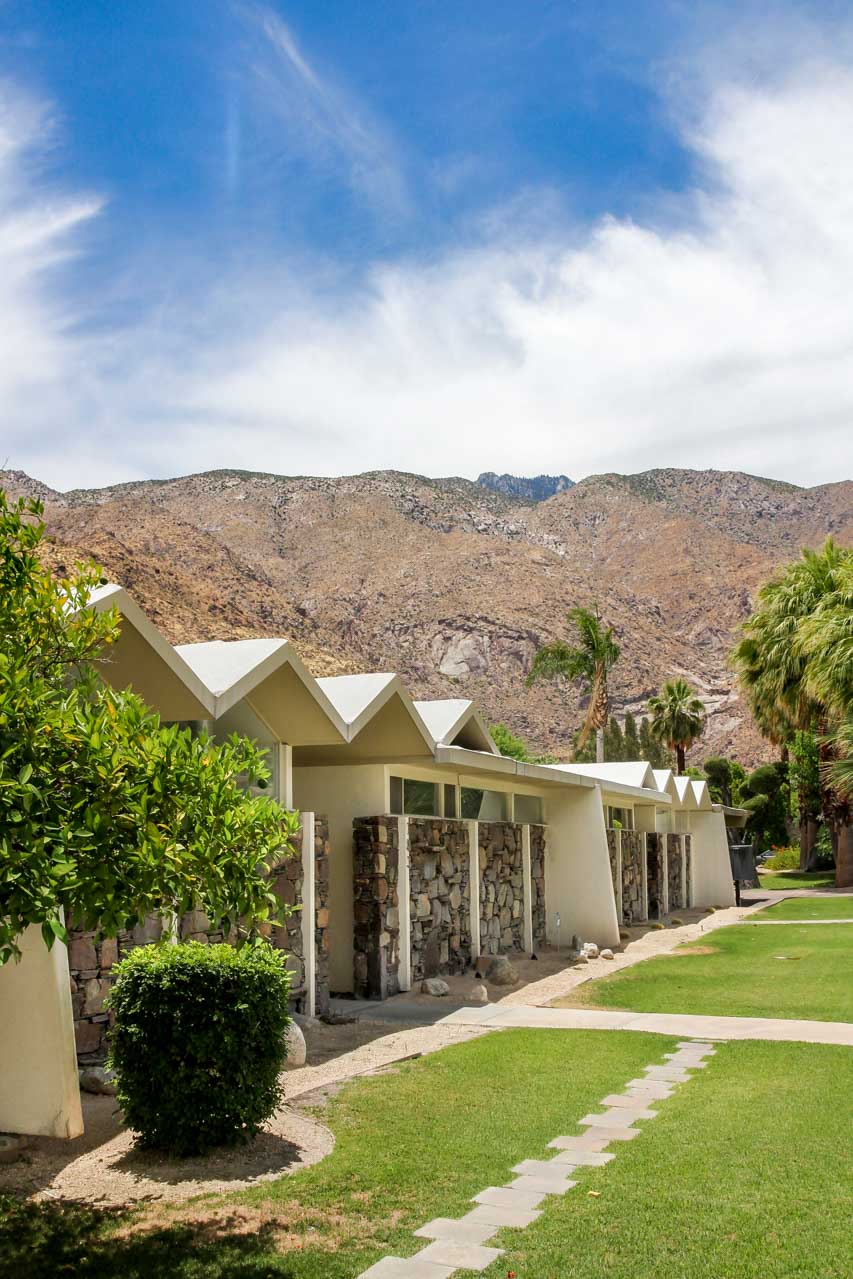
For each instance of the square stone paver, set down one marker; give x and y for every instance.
(614, 1132)
(618, 1117)
(674, 1074)
(542, 1185)
(686, 1061)
(461, 1230)
(540, 1168)
(502, 1217)
(464, 1256)
(582, 1141)
(502, 1197)
(654, 1088)
(626, 1101)
(406, 1268)
(582, 1158)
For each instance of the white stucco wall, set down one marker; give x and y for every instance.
(341, 793)
(577, 870)
(712, 873)
(39, 1094)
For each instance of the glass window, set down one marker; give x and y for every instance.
(620, 818)
(484, 805)
(449, 800)
(416, 799)
(529, 808)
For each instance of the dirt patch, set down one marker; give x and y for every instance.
(104, 1166)
(692, 950)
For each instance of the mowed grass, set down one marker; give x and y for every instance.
(411, 1145)
(810, 908)
(797, 879)
(741, 971)
(745, 1174)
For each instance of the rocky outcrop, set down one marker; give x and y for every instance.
(536, 488)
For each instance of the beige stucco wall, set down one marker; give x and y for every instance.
(341, 793)
(578, 883)
(712, 873)
(39, 1093)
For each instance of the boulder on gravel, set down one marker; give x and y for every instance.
(479, 995)
(435, 986)
(607, 953)
(501, 972)
(590, 950)
(296, 1050)
(97, 1079)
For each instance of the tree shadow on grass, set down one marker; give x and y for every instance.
(46, 1240)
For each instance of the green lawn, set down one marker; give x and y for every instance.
(810, 908)
(410, 1145)
(744, 1175)
(797, 879)
(751, 971)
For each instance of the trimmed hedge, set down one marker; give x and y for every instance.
(198, 1042)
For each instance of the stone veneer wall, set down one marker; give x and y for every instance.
(501, 888)
(91, 958)
(612, 845)
(440, 891)
(655, 848)
(376, 934)
(537, 883)
(688, 870)
(676, 892)
(634, 906)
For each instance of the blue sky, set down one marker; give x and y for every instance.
(441, 237)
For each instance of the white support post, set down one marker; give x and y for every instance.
(527, 881)
(617, 887)
(644, 874)
(685, 887)
(474, 887)
(285, 774)
(309, 911)
(404, 905)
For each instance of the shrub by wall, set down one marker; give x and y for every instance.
(198, 1042)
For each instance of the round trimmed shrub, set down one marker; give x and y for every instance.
(198, 1042)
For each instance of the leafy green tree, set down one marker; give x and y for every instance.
(805, 785)
(795, 665)
(105, 815)
(765, 793)
(614, 742)
(509, 744)
(650, 748)
(718, 772)
(631, 738)
(678, 718)
(590, 661)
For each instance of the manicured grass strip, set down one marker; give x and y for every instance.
(751, 972)
(411, 1145)
(744, 1175)
(810, 908)
(798, 879)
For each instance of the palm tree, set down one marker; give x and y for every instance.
(678, 717)
(590, 660)
(795, 662)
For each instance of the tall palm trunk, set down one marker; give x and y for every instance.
(599, 746)
(680, 760)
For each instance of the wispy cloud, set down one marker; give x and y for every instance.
(320, 119)
(717, 332)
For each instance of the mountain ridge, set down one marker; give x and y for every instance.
(453, 585)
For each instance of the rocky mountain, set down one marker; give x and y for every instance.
(536, 488)
(454, 585)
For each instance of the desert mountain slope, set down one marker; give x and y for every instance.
(454, 585)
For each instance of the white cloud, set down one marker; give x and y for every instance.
(719, 333)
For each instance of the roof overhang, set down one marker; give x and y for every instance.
(504, 768)
(455, 721)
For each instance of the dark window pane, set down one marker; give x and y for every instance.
(419, 798)
(396, 795)
(449, 801)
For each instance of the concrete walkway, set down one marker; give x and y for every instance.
(503, 1016)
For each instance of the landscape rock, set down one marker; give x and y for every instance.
(582, 958)
(98, 1079)
(590, 950)
(435, 986)
(501, 972)
(607, 953)
(479, 995)
(295, 1046)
